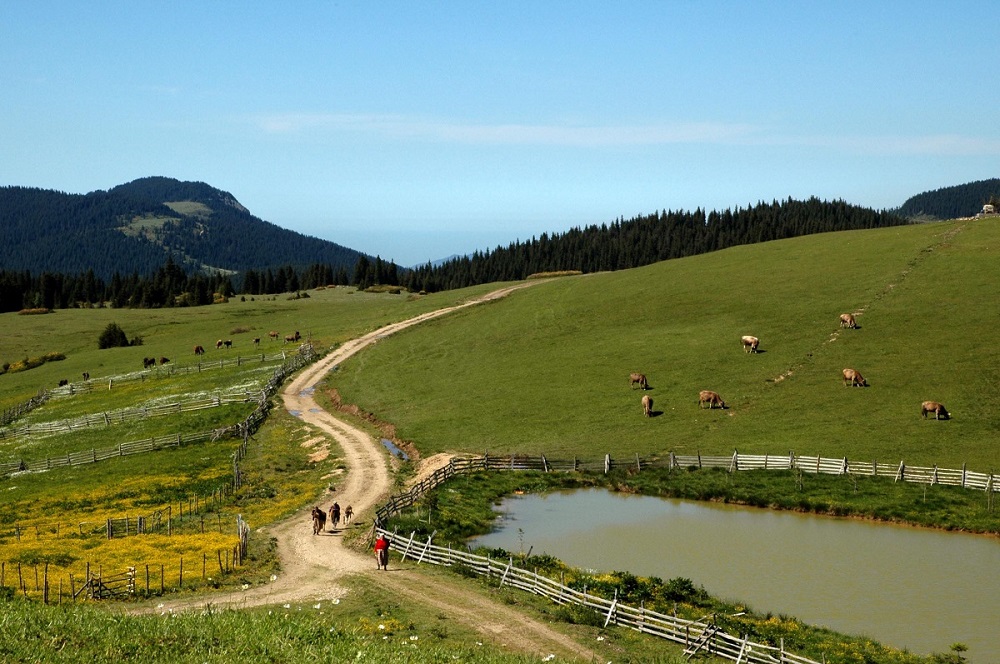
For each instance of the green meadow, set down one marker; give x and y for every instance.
(546, 370)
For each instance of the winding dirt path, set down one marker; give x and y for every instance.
(313, 567)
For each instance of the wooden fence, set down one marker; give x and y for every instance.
(131, 414)
(243, 430)
(697, 636)
(108, 382)
(38, 581)
(900, 472)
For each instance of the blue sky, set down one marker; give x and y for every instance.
(420, 130)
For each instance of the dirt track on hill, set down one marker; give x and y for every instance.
(314, 566)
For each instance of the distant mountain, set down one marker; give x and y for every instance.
(134, 227)
(964, 200)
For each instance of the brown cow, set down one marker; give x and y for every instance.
(940, 412)
(711, 398)
(318, 520)
(639, 378)
(218, 344)
(749, 344)
(64, 382)
(273, 334)
(199, 350)
(292, 337)
(847, 320)
(148, 362)
(852, 378)
(164, 360)
(647, 405)
(348, 514)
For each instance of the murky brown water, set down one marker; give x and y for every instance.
(912, 588)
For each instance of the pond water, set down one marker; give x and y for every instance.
(911, 588)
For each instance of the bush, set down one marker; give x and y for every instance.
(112, 337)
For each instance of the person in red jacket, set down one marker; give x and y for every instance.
(382, 553)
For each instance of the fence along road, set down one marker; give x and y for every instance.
(694, 635)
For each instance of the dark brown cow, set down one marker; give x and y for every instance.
(318, 520)
(164, 360)
(148, 362)
(348, 514)
(940, 412)
(853, 377)
(199, 350)
(639, 378)
(256, 341)
(64, 382)
(218, 344)
(647, 405)
(711, 398)
(847, 320)
(749, 343)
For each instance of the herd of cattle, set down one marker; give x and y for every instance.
(150, 362)
(852, 378)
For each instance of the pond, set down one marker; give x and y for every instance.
(913, 588)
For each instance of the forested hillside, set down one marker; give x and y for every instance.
(649, 239)
(964, 200)
(134, 227)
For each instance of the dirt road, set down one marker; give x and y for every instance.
(313, 567)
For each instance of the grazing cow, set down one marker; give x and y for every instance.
(647, 405)
(86, 375)
(199, 350)
(228, 343)
(940, 412)
(218, 344)
(318, 520)
(847, 320)
(64, 382)
(273, 334)
(852, 378)
(711, 398)
(256, 341)
(749, 344)
(348, 514)
(292, 337)
(148, 362)
(164, 360)
(639, 378)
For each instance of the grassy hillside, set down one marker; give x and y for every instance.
(546, 370)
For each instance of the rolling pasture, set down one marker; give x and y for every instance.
(55, 518)
(546, 370)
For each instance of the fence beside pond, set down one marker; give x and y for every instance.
(736, 462)
(697, 636)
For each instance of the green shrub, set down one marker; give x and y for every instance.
(113, 336)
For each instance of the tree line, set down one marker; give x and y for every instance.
(619, 245)
(647, 239)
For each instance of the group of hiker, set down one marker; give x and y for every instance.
(381, 542)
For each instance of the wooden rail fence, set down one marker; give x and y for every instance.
(695, 635)
(900, 472)
(131, 414)
(243, 430)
